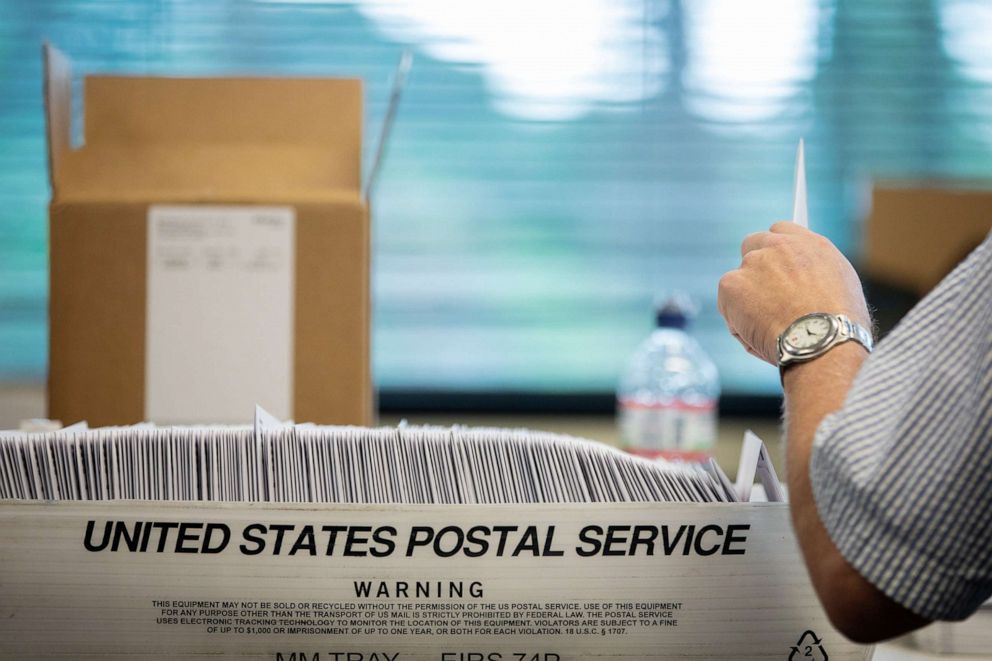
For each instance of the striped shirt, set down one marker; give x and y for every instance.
(902, 474)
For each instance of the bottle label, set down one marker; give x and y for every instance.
(673, 430)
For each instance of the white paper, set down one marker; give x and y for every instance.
(746, 468)
(799, 212)
(774, 491)
(756, 462)
(265, 421)
(219, 330)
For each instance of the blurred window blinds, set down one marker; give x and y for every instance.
(555, 164)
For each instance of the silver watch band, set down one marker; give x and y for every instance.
(857, 332)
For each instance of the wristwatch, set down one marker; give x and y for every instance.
(812, 335)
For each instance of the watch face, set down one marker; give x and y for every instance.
(809, 333)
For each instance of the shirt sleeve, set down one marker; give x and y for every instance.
(902, 474)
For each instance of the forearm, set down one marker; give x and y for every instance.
(812, 391)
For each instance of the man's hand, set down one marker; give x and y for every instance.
(786, 273)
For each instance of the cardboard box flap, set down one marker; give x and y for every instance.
(196, 134)
(243, 172)
(58, 108)
(318, 113)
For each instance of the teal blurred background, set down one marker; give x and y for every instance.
(554, 164)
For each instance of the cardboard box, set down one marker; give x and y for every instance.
(265, 581)
(917, 233)
(258, 150)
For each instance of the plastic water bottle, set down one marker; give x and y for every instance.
(667, 398)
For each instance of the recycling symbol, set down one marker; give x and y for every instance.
(808, 647)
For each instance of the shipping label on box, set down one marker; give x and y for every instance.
(389, 583)
(219, 293)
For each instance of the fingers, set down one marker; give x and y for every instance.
(774, 235)
(758, 240)
(788, 227)
(725, 289)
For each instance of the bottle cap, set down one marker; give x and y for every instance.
(674, 311)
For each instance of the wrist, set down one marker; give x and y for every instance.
(843, 361)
